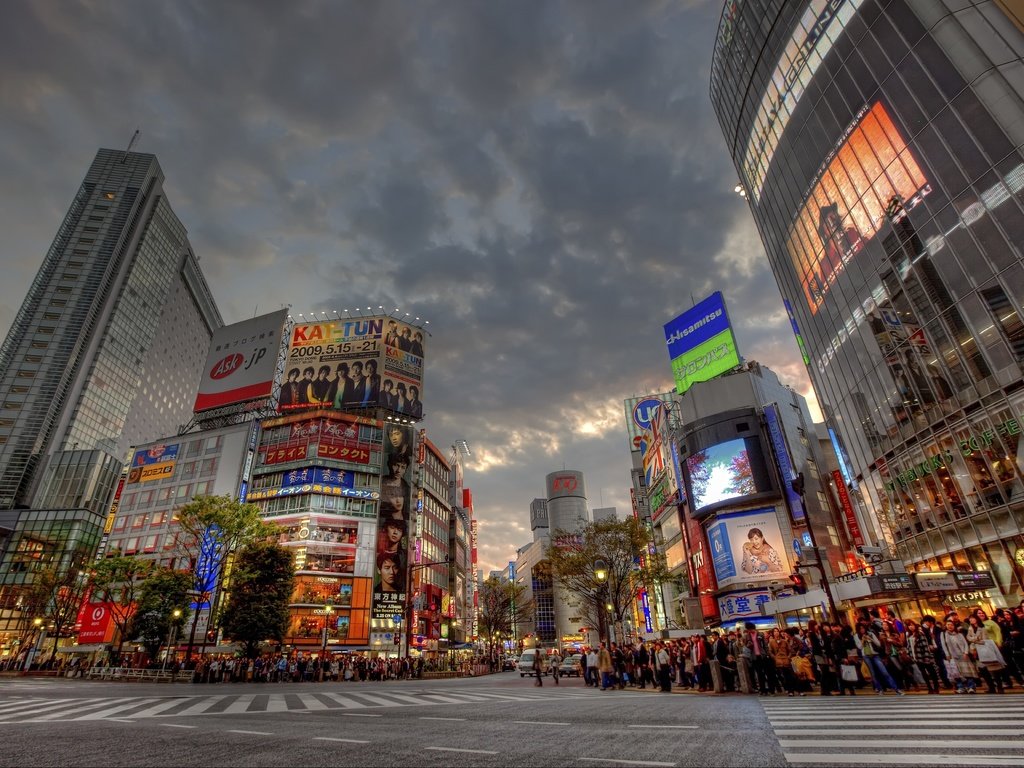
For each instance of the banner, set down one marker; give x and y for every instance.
(153, 463)
(847, 505)
(748, 547)
(241, 362)
(365, 362)
(391, 566)
(700, 343)
(785, 463)
(96, 624)
(871, 178)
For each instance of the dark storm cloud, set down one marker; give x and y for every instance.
(545, 182)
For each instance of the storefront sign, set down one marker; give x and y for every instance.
(847, 505)
(974, 596)
(936, 582)
(892, 582)
(974, 580)
(955, 580)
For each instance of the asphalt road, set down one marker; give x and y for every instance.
(498, 720)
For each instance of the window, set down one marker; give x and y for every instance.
(109, 195)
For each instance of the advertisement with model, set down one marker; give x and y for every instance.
(748, 547)
(241, 363)
(365, 362)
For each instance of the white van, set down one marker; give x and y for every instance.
(525, 665)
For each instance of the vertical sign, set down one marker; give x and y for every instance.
(785, 463)
(847, 505)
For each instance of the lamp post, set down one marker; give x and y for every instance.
(328, 610)
(601, 574)
(172, 636)
(31, 653)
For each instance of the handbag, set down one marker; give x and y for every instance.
(952, 670)
(848, 672)
(988, 653)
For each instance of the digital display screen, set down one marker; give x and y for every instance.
(721, 472)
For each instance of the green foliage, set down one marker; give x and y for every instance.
(261, 587)
(501, 606)
(161, 593)
(55, 593)
(116, 580)
(623, 546)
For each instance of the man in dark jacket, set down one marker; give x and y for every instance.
(934, 633)
(642, 665)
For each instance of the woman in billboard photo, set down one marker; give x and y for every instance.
(760, 557)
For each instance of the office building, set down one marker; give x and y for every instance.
(879, 147)
(107, 348)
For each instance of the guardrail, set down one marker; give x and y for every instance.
(124, 674)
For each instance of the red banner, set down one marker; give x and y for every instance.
(96, 626)
(328, 449)
(283, 454)
(845, 503)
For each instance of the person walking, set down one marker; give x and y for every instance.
(642, 661)
(960, 667)
(985, 650)
(553, 663)
(538, 667)
(921, 649)
(873, 650)
(605, 667)
(663, 667)
(593, 675)
(781, 651)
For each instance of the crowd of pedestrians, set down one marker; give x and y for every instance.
(298, 668)
(956, 653)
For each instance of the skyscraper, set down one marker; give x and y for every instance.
(879, 146)
(107, 348)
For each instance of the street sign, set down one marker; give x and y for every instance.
(397, 618)
(796, 548)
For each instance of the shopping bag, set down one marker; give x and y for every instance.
(952, 670)
(848, 673)
(988, 653)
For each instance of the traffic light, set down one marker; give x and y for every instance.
(869, 570)
(397, 639)
(211, 635)
(799, 585)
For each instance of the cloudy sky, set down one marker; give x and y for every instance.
(544, 182)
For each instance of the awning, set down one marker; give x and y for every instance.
(232, 648)
(460, 646)
(82, 648)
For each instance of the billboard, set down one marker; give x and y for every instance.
(870, 178)
(747, 547)
(638, 417)
(96, 626)
(241, 363)
(155, 463)
(565, 484)
(700, 343)
(391, 564)
(723, 471)
(785, 463)
(365, 362)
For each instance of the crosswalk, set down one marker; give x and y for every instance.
(29, 709)
(912, 730)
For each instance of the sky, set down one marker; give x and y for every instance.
(545, 182)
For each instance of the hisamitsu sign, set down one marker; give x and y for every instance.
(700, 343)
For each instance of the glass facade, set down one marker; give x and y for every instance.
(879, 145)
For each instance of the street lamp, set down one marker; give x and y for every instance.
(172, 636)
(328, 610)
(601, 574)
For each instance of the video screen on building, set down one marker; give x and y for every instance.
(872, 176)
(724, 471)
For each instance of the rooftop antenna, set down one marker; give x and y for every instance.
(135, 138)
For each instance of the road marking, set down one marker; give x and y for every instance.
(824, 758)
(359, 714)
(120, 719)
(536, 722)
(346, 741)
(892, 732)
(687, 727)
(252, 733)
(922, 744)
(459, 719)
(177, 725)
(454, 749)
(626, 762)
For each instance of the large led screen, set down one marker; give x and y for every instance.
(364, 362)
(721, 472)
(871, 176)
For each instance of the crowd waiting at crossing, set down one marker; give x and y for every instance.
(952, 652)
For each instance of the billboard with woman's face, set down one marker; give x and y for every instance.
(871, 176)
(748, 547)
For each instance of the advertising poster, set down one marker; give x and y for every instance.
(391, 567)
(748, 547)
(365, 362)
(96, 625)
(700, 343)
(638, 417)
(241, 363)
(784, 460)
(153, 463)
(870, 177)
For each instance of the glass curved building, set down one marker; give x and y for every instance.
(879, 146)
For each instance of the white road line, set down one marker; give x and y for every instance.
(200, 706)
(252, 733)
(888, 758)
(104, 714)
(346, 741)
(402, 698)
(536, 722)
(858, 743)
(15, 703)
(890, 715)
(311, 702)
(344, 700)
(239, 705)
(360, 714)
(444, 699)
(687, 727)
(836, 732)
(459, 719)
(177, 725)
(454, 749)
(156, 709)
(277, 703)
(60, 707)
(625, 762)
(376, 701)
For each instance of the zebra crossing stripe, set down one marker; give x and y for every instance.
(930, 758)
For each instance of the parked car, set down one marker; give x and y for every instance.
(509, 663)
(571, 666)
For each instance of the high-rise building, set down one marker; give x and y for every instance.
(879, 147)
(107, 348)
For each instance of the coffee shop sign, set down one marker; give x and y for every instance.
(1008, 428)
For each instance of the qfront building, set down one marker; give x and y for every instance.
(878, 145)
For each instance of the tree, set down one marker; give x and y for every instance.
(161, 593)
(211, 530)
(116, 581)
(742, 482)
(700, 475)
(623, 546)
(261, 588)
(501, 602)
(55, 593)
